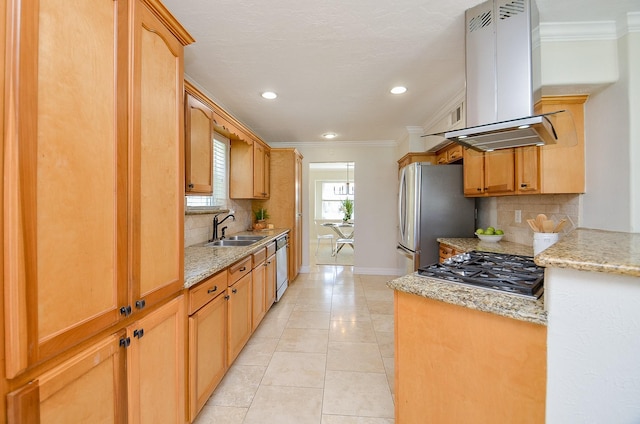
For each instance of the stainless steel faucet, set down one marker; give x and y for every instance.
(216, 223)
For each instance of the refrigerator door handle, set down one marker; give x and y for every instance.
(406, 252)
(402, 204)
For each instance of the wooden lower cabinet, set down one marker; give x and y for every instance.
(207, 351)
(258, 289)
(239, 316)
(156, 365)
(87, 388)
(458, 365)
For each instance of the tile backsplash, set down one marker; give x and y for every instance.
(555, 206)
(198, 227)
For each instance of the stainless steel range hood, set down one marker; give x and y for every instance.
(503, 78)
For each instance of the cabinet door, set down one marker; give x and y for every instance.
(258, 294)
(239, 321)
(473, 171)
(241, 167)
(65, 215)
(157, 157)
(88, 388)
(270, 282)
(207, 351)
(198, 147)
(258, 170)
(499, 171)
(156, 367)
(527, 169)
(267, 173)
(297, 244)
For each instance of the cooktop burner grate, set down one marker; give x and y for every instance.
(511, 274)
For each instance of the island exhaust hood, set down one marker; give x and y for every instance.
(503, 79)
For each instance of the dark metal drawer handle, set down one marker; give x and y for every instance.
(214, 289)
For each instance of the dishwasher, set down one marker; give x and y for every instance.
(282, 269)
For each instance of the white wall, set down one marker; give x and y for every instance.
(593, 347)
(376, 175)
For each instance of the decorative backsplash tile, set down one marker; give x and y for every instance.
(554, 206)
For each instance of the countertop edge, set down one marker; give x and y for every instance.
(509, 306)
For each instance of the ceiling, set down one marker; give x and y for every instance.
(333, 62)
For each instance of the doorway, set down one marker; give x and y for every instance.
(331, 189)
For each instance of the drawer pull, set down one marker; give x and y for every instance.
(214, 289)
(234, 290)
(138, 333)
(244, 268)
(140, 304)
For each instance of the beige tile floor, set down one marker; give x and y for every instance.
(322, 355)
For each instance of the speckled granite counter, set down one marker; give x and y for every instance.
(476, 298)
(595, 250)
(201, 262)
(468, 244)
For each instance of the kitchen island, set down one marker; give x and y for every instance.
(467, 354)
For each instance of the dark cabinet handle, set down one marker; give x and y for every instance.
(191, 185)
(138, 333)
(125, 310)
(523, 185)
(234, 290)
(227, 297)
(214, 289)
(140, 304)
(125, 342)
(244, 268)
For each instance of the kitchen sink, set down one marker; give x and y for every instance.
(231, 243)
(246, 237)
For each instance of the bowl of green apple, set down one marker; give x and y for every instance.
(490, 234)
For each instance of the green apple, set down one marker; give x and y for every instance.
(490, 231)
(479, 231)
(499, 232)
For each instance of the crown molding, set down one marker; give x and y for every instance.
(590, 31)
(335, 144)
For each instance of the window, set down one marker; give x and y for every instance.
(331, 199)
(220, 179)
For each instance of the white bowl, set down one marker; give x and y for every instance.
(491, 239)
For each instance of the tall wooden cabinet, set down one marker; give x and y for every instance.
(94, 176)
(285, 202)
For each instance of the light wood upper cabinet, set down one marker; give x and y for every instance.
(412, 157)
(489, 173)
(261, 170)
(449, 154)
(65, 176)
(562, 166)
(156, 206)
(198, 147)
(249, 169)
(527, 170)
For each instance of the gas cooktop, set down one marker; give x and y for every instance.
(512, 274)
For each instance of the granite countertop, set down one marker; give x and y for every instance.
(510, 306)
(201, 262)
(595, 250)
(469, 244)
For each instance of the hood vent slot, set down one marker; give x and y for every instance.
(511, 9)
(481, 21)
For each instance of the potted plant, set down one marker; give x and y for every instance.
(261, 216)
(347, 209)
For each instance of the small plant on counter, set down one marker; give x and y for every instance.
(347, 209)
(261, 216)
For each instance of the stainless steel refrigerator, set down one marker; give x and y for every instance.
(431, 204)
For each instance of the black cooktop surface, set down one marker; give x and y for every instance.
(511, 274)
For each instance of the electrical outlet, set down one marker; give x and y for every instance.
(518, 216)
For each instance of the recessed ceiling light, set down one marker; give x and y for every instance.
(269, 95)
(399, 90)
(329, 135)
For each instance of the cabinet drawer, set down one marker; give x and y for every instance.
(259, 257)
(206, 291)
(271, 249)
(239, 269)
